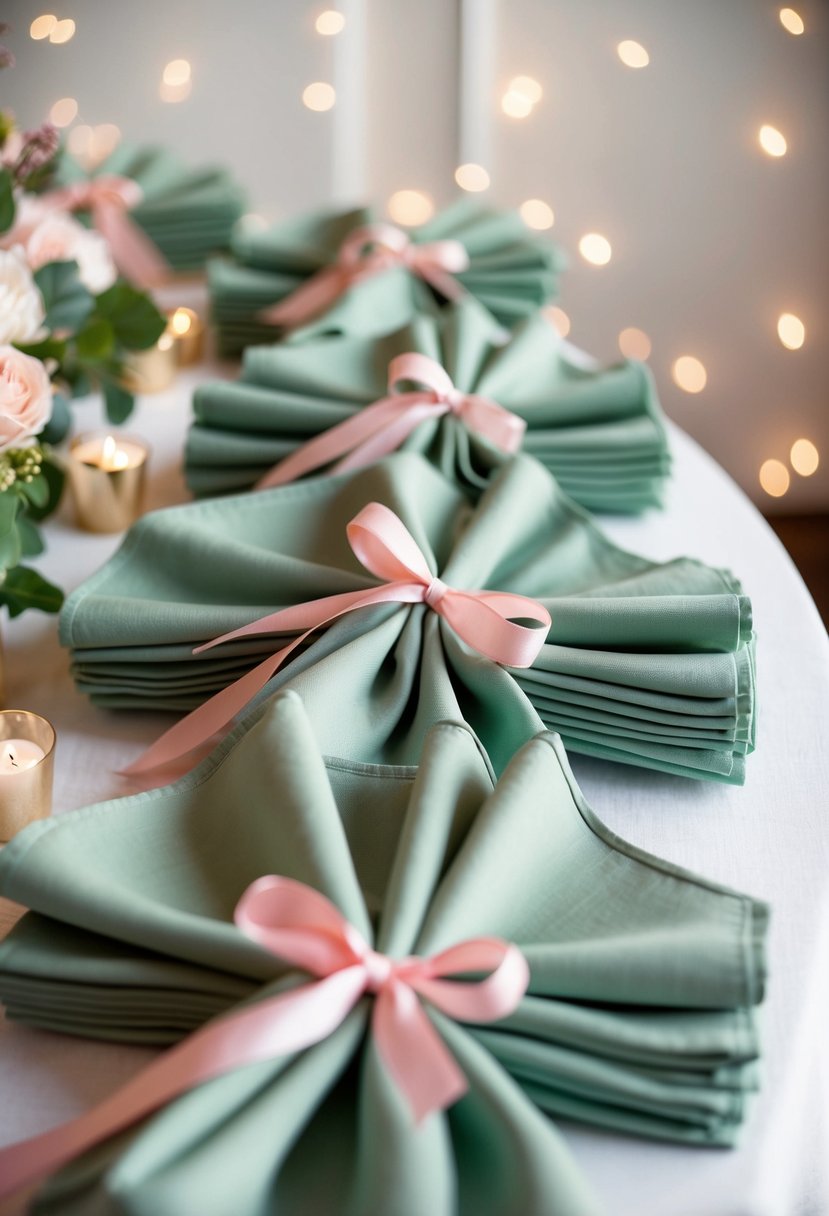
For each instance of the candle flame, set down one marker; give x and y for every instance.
(181, 322)
(112, 457)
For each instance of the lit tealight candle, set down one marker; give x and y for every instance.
(27, 744)
(106, 475)
(187, 331)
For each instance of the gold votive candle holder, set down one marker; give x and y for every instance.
(151, 370)
(186, 328)
(106, 475)
(27, 762)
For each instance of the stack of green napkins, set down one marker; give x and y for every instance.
(188, 213)
(639, 1014)
(646, 663)
(512, 272)
(600, 432)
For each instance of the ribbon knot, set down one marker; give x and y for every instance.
(109, 199)
(434, 593)
(386, 548)
(380, 428)
(365, 252)
(301, 927)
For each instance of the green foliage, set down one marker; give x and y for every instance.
(7, 208)
(24, 588)
(67, 301)
(135, 320)
(119, 401)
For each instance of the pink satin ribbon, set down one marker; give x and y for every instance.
(366, 252)
(302, 927)
(382, 427)
(109, 200)
(386, 548)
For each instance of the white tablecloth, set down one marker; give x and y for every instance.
(770, 838)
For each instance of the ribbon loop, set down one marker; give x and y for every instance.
(380, 428)
(365, 252)
(383, 544)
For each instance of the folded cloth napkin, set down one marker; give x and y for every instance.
(510, 270)
(638, 1017)
(600, 432)
(188, 213)
(645, 663)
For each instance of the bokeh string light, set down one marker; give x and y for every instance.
(791, 21)
(774, 478)
(689, 374)
(330, 22)
(472, 177)
(595, 249)
(410, 207)
(804, 457)
(633, 54)
(319, 96)
(634, 343)
(537, 214)
(791, 331)
(772, 141)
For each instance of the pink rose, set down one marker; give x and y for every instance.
(25, 397)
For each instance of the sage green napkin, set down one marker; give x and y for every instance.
(188, 213)
(512, 272)
(638, 1017)
(647, 663)
(600, 432)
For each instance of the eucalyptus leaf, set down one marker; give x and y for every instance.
(67, 301)
(36, 490)
(10, 549)
(7, 207)
(118, 400)
(58, 425)
(47, 348)
(136, 321)
(96, 340)
(8, 511)
(24, 588)
(55, 478)
(31, 542)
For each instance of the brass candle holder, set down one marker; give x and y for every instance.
(152, 370)
(27, 760)
(186, 328)
(106, 475)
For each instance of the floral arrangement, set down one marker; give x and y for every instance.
(67, 325)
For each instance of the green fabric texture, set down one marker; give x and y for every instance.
(645, 663)
(188, 213)
(512, 272)
(601, 433)
(639, 1015)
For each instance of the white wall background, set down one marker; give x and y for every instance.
(711, 238)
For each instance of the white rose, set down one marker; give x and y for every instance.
(58, 237)
(25, 397)
(21, 306)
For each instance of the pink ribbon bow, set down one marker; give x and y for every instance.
(300, 926)
(382, 427)
(366, 252)
(383, 544)
(109, 201)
